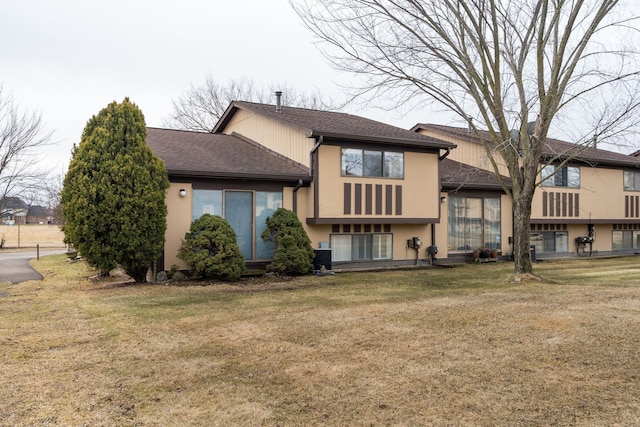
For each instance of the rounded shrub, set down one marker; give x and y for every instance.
(293, 254)
(211, 250)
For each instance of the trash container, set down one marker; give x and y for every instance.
(322, 257)
(532, 253)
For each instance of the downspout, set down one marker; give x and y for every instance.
(313, 172)
(433, 225)
(295, 196)
(319, 141)
(444, 156)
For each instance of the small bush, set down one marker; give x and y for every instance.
(293, 254)
(211, 250)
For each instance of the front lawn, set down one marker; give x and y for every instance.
(436, 346)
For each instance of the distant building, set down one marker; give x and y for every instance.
(14, 210)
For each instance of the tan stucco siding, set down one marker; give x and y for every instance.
(442, 229)
(506, 224)
(600, 196)
(402, 233)
(602, 193)
(414, 196)
(470, 153)
(286, 140)
(179, 213)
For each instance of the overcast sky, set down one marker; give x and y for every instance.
(70, 58)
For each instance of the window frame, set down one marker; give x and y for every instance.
(474, 231)
(636, 180)
(353, 162)
(635, 240)
(274, 200)
(372, 248)
(556, 234)
(560, 178)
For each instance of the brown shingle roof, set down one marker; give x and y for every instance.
(456, 175)
(214, 155)
(554, 148)
(331, 124)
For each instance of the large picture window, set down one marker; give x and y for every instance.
(372, 163)
(473, 223)
(566, 176)
(246, 212)
(361, 247)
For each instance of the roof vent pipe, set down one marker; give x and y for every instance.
(279, 102)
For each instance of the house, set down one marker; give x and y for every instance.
(596, 195)
(39, 215)
(360, 187)
(13, 211)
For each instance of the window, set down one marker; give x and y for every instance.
(566, 176)
(474, 223)
(371, 163)
(361, 247)
(550, 241)
(631, 181)
(625, 236)
(246, 212)
(206, 202)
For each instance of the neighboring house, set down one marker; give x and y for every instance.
(360, 187)
(596, 194)
(39, 215)
(13, 211)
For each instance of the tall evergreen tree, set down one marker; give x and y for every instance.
(113, 197)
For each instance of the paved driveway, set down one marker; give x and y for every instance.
(15, 268)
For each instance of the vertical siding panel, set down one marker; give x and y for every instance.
(398, 199)
(358, 199)
(577, 211)
(388, 210)
(368, 199)
(626, 206)
(552, 206)
(558, 204)
(378, 199)
(570, 204)
(544, 203)
(347, 198)
(564, 204)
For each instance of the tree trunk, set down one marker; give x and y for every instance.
(521, 234)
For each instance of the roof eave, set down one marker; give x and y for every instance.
(373, 138)
(233, 175)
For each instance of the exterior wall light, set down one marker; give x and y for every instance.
(443, 199)
(183, 192)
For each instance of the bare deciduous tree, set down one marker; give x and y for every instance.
(499, 66)
(200, 107)
(22, 137)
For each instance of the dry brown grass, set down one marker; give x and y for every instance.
(30, 235)
(422, 347)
